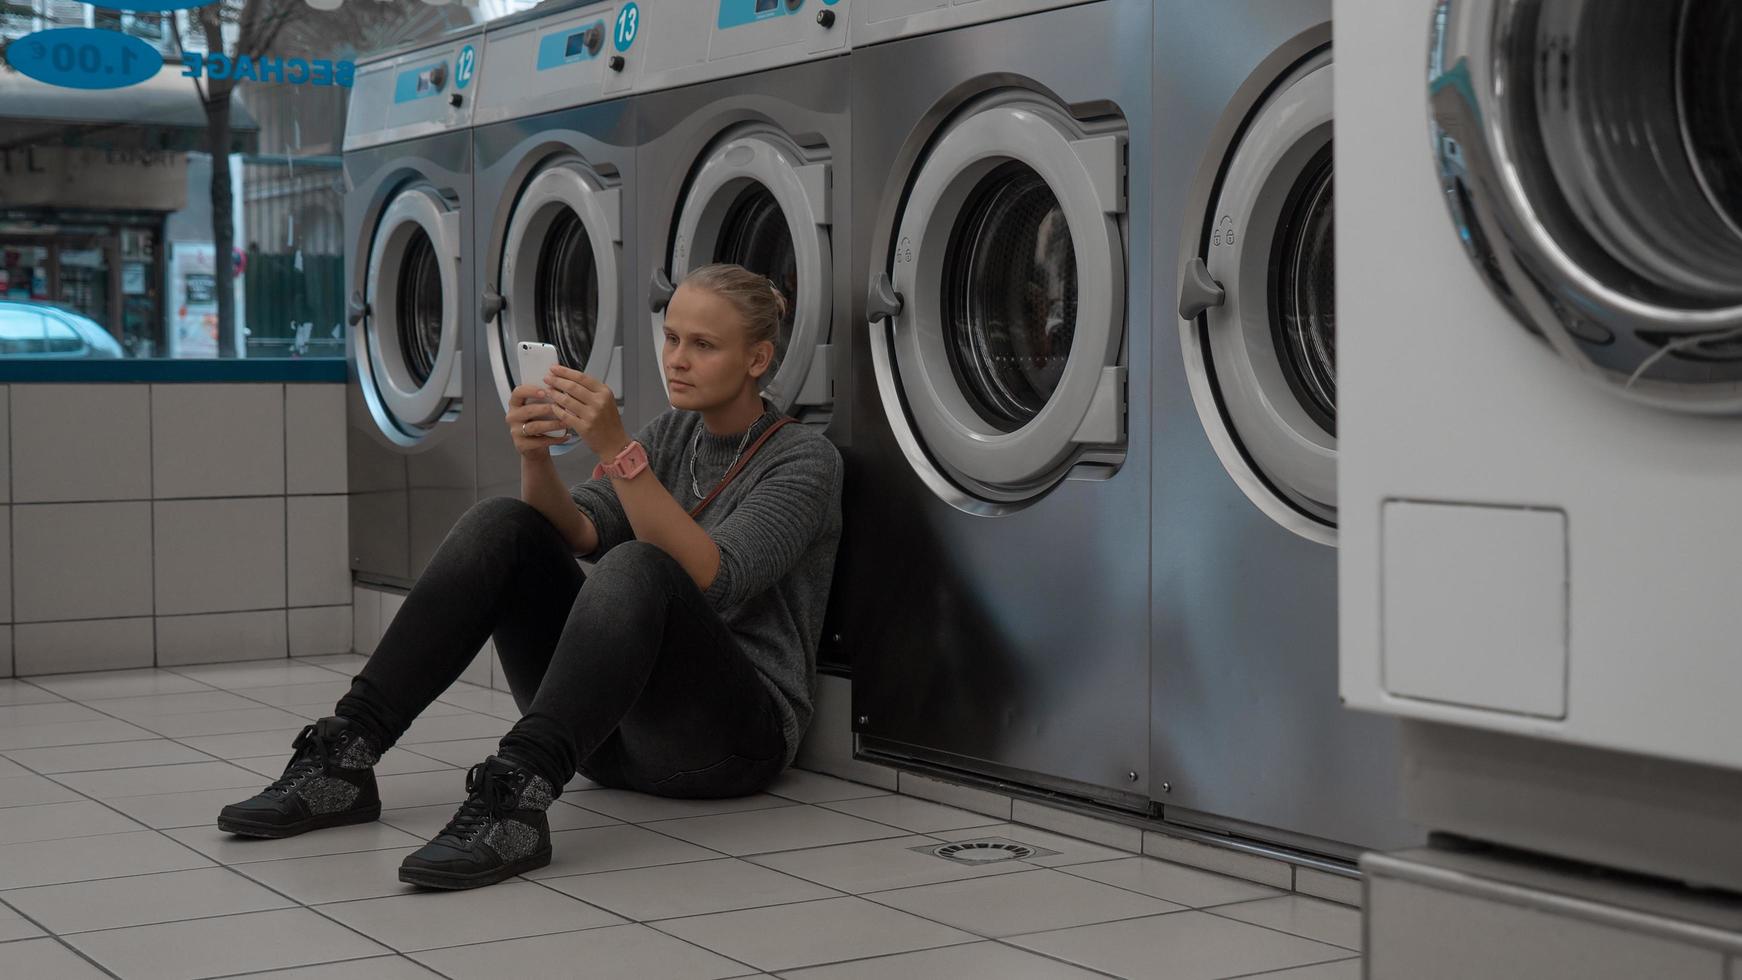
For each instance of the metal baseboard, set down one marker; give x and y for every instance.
(1325, 856)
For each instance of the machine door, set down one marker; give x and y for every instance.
(409, 349)
(1004, 294)
(558, 277)
(1592, 158)
(1259, 308)
(759, 200)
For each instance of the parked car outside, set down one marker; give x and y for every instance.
(49, 331)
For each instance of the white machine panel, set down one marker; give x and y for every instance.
(556, 63)
(1445, 396)
(416, 93)
(690, 41)
(1475, 606)
(886, 20)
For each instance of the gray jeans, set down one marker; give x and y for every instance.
(625, 675)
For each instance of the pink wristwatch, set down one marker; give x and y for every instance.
(626, 465)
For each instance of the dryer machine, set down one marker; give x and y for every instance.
(411, 408)
(1542, 405)
(993, 583)
(744, 157)
(1247, 734)
(554, 144)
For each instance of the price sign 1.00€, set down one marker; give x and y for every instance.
(84, 57)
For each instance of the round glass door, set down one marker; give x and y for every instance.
(755, 235)
(1259, 306)
(1009, 266)
(410, 340)
(1592, 155)
(559, 275)
(759, 200)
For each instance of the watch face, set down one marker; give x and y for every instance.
(629, 463)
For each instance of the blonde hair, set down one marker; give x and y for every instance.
(755, 297)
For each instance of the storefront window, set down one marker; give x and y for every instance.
(109, 224)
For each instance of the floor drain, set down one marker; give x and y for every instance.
(986, 850)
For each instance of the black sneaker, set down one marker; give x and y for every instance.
(329, 782)
(499, 832)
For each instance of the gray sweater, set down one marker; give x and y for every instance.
(777, 526)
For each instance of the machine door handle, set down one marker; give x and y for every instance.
(883, 302)
(659, 291)
(1200, 291)
(358, 309)
(492, 303)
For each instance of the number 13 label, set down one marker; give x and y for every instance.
(628, 26)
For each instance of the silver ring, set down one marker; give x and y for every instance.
(523, 429)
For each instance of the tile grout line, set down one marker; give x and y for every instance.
(151, 484)
(284, 475)
(817, 807)
(214, 863)
(11, 540)
(11, 546)
(317, 909)
(49, 934)
(1285, 932)
(1269, 973)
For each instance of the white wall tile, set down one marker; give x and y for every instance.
(81, 561)
(5, 564)
(6, 651)
(1077, 825)
(217, 440)
(498, 679)
(5, 443)
(1221, 860)
(828, 745)
(314, 438)
(220, 637)
(81, 442)
(956, 795)
(478, 671)
(390, 603)
(1333, 888)
(318, 549)
(320, 630)
(365, 620)
(88, 644)
(219, 555)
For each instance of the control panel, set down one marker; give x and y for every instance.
(581, 57)
(406, 94)
(692, 42)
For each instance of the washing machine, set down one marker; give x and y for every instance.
(1541, 367)
(554, 157)
(411, 407)
(992, 589)
(1247, 735)
(744, 157)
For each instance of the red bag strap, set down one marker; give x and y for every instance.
(738, 467)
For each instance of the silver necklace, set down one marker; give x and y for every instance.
(695, 441)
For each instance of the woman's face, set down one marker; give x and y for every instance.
(708, 359)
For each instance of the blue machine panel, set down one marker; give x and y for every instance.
(417, 83)
(566, 47)
(737, 13)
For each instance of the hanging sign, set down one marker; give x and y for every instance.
(84, 57)
(288, 71)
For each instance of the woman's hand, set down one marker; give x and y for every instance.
(587, 406)
(529, 420)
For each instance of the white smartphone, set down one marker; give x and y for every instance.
(536, 360)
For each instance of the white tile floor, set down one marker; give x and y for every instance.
(110, 865)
